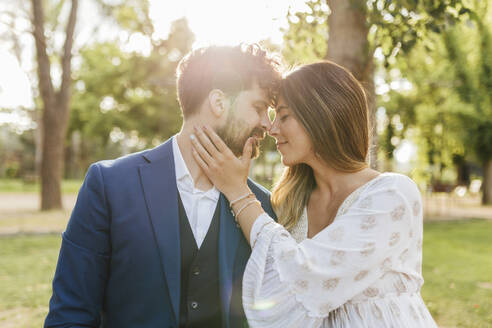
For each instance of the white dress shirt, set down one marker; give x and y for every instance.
(199, 205)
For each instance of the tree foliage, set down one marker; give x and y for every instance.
(305, 40)
(449, 106)
(395, 26)
(127, 101)
(469, 49)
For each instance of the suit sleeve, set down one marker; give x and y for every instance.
(83, 263)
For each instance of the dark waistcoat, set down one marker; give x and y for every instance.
(200, 300)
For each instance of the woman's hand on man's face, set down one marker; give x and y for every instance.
(227, 172)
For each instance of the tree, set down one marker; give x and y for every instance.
(305, 39)
(473, 85)
(55, 104)
(125, 101)
(16, 16)
(422, 113)
(349, 46)
(356, 28)
(449, 105)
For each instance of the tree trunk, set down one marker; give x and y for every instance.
(38, 141)
(54, 130)
(487, 183)
(348, 46)
(55, 106)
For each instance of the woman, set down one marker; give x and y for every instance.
(347, 248)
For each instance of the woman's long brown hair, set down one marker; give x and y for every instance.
(331, 105)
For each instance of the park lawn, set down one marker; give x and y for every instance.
(457, 269)
(27, 264)
(457, 272)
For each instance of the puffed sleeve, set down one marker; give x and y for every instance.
(287, 284)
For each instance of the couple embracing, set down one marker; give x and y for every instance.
(178, 236)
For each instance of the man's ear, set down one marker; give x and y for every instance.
(218, 102)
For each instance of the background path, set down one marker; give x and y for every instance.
(19, 212)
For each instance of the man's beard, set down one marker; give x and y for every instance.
(234, 133)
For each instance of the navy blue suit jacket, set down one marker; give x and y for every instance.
(119, 263)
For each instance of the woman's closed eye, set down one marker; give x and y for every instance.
(283, 117)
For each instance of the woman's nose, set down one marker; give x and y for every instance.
(273, 129)
(266, 124)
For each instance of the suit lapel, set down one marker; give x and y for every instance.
(159, 185)
(229, 235)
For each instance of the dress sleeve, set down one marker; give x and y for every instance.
(287, 284)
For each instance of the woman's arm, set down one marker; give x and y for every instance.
(290, 284)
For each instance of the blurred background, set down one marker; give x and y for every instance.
(82, 81)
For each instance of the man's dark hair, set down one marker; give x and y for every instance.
(230, 69)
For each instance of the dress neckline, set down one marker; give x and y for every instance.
(344, 206)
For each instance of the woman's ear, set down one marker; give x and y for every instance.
(218, 102)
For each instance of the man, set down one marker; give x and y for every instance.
(151, 242)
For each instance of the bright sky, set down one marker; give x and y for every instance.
(15, 89)
(225, 21)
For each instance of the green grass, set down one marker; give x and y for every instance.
(17, 185)
(27, 266)
(457, 272)
(457, 269)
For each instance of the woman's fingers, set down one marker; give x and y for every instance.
(218, 142)
(204, 140)
(199, 160)
(247, 151)
(197, 146)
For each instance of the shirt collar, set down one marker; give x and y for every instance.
(179, 163)
(183, 176)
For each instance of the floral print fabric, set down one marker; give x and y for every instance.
(363, 270)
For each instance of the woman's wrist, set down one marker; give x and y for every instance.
(247, 214)
(238, 193)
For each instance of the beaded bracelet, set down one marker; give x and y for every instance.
(246, 205)
(240, 198)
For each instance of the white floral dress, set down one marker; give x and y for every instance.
(363, 270)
